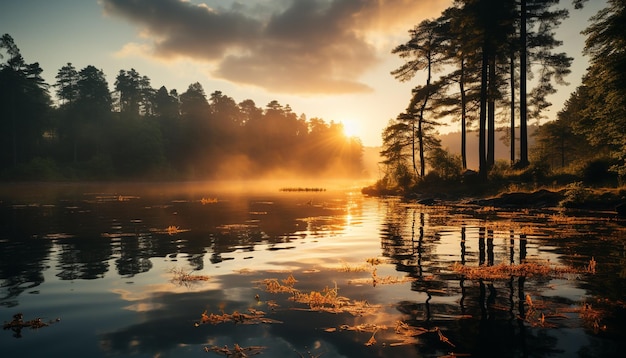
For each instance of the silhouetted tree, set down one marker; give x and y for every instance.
(135, 95)
(24, 103)
(461, 55)
(93, 111)
(537, 47)
(67, 116)
(425, 53)
(194, 110)
(67, 84)
(396, 153)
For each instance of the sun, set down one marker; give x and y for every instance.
(351, 128)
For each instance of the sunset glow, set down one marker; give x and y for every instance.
(351, 128)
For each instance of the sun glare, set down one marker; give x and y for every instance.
(351, 128)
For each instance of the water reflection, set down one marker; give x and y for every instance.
(105, 256)
(489, 317)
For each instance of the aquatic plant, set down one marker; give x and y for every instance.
(252, 317)
(182, 277)
(302, 189)
(17, 324)
(237, 351)
(205, 201)
(505, 271)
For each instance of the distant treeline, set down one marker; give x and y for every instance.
(137, 131)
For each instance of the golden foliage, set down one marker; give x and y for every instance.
(326, 300)
(346, 267)
(591, 268)
(170, 230)
(205, 201)
(252, 317)
(375, 279)
(505, 271)
(273, 285)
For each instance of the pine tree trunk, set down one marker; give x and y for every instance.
(523, 101)
(491, 112)
(512, 70)
(482, 158)
(463, 117)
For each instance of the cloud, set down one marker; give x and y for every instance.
(296, 46)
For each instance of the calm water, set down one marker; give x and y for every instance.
(102, 260)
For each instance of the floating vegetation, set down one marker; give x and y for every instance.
(18, 323)
(346, 267)
(237, 351)
(409, 333)
(375, 280)
(374, 261)
(170, 230)
(591, 268)
(592, 317)
(302, 189)
(326, 300)
(405, 332)
(252, 317)
(505, 271)
(273, 285)
(181, 277)
(205, 201)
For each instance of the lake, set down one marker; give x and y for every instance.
(201, 270)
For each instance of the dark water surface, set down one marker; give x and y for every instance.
(99, 262)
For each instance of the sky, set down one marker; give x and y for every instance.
(329, 59)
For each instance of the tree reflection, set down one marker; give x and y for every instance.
(83, 257)
(485, 321)
(135, 254)
(23, 253)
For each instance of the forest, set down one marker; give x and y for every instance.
(137, 132)
(490, 65)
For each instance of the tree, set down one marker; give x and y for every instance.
(604, 119)
(558, 142)
(67, 84)
(444, 165)
(194, 111)
(24, 102)
(490, 23)
(425, 53)
(67, 91)
(166, 104)
(397, 141)
(537, 46)
(461, 55)
(135, 95)
(167, 113)
(226, 118)
(90, 121)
